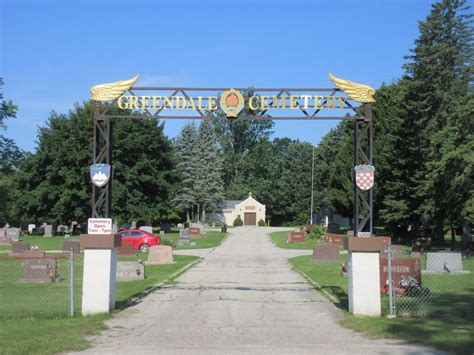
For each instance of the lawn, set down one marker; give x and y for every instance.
(279, 239)
(207, 240)
(450, 326)
(33, 315)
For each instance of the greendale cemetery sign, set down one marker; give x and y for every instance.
(231, 101)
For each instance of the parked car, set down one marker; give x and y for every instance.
(141, 240)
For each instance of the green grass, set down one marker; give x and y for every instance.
(279, 239)
(450, 325)
(207, 240)
(54, 243)
(32, 316)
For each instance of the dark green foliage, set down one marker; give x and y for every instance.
(55, 182)
(7, 108)
(261, 223)
(238, 222)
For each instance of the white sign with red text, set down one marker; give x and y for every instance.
(99, 226)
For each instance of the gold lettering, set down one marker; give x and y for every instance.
(180, 103)
(263, 102)
(212, 103)
(306, 99)
(154, 100)
(200, 102)
(144, 101)
(342, 101)
(191, 104)
(293, 102)
(133, 102)
(275, 102)
(168, 102)
(318, 102)
(330, 102)
(252, 107)
(121, 104)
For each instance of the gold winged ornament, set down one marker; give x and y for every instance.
(112, 91)
(357, 92)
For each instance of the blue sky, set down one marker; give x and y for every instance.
(52, 52)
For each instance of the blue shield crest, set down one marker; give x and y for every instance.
(100, 174)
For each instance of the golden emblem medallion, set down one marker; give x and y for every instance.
(232, 102)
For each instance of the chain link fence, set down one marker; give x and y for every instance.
(436, 284)
(38, 286)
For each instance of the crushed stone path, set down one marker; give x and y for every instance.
(243, 297)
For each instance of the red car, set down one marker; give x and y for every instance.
(141, 240)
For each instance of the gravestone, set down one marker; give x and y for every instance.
(180, 225)
(61, 229)
(34, 254)
(13, 234)
(336, 239)
(31, 227)
(444, 262)
(127, 248)
(48, 231)
(148, 229)
(400, 267)
(40, 270)
(134, 225)
(20, 248)
(3, 232)
(198, 225)
(114, 227)
(397, 252)
(184, 238)
(326, 252)
(160, 254)
(75, 245)
(296, 237)
(130, 271)
(194, 232)
(5, 240)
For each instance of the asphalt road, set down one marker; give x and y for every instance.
(242, 298)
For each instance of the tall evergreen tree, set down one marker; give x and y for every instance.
(185, 198)
(439, 71)
(208, 183)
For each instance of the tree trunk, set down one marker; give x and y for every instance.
(187, 216)
(453, 236)
(203, 213)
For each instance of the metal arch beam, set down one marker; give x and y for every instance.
(102, 154)
(363, 200)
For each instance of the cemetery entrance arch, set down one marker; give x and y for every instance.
(346, 100)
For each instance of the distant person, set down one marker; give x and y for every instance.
(466, 241)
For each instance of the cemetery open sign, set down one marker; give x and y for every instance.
(99, 226)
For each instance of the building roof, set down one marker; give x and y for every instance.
(230, 203)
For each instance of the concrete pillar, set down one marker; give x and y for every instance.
(364, 275)
(100, 266)
(98, 288)
(364, 283)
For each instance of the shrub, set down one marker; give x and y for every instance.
(261, 223)
(238, 221)
(317, 233)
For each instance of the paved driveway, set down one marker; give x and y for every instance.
(242, 298)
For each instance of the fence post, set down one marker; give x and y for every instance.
(391, 304)
(71, 283)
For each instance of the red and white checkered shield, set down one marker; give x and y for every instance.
(364, 176)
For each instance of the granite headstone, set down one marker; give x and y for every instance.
(130, 271)
(160, 254)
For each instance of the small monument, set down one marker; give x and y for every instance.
(184, 238)
(48, 231)
(160, 254)
(130, 271)
(326, 252)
